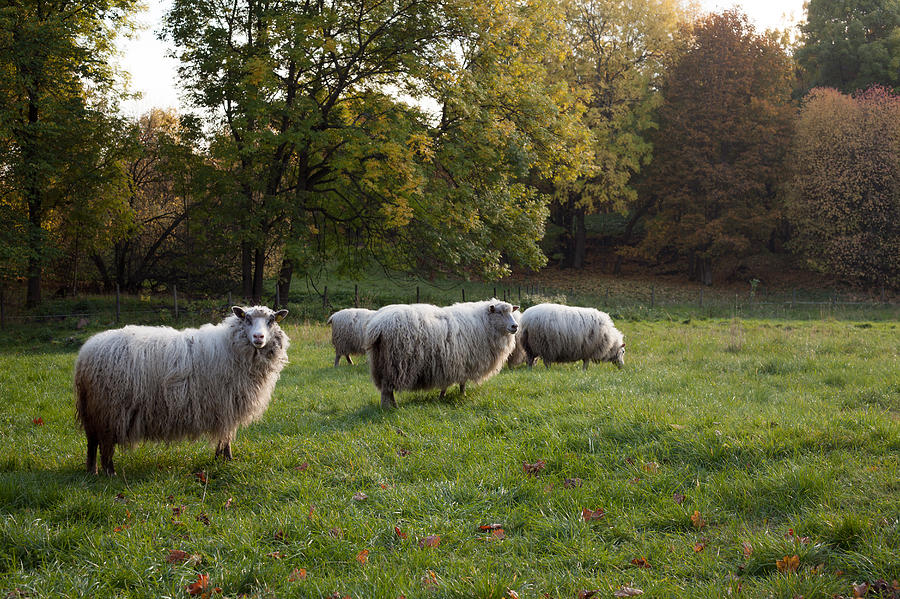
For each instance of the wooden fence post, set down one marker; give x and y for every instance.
(117, 304)
(417, 295)
(464, 293)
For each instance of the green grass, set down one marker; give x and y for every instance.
(763, 426)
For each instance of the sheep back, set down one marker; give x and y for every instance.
(420, 346)
(348, 330)
(156, 383)
(558, 333)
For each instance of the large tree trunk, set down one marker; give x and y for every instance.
(35, 207)
(580, 249)
(259, 265)
(246, 271)
(284, 279)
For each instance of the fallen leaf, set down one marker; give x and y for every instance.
(403, 452)
(490, 526)
(360, 496)
(176, 556)
(697, 520)
(201, 476)
(629, 461)
(535, 468)
(747, 549)
(279, 536)
(430, 579)
(589, 515)
(430, 541)
(199, 587)
(678, 498)
(512, 594)
(120, 497)
(312, 510)
(297, 574)
(860, 590)
(498, 534)
(228, 503)
(275, 555)
(634, 481)
(178, 510)
(586, 594)
(302, 466)
(572, 482)
(651, 467)
(627, 591)
(698, 547)
(203, 517)
(363, 556)
(640, 562)
(788, 564)
(399, 532)
(38, 421)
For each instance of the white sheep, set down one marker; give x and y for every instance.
(558, 333)
(142, 383)
(420, 346)
(518, 353)
(348, 332)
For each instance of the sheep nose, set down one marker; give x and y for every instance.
(513, 327)
(259, 337)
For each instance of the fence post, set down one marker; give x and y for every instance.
(356, 295)
(464, 293)
(793, 298)
(277, 294)
(175, 293)
(325, 297)
(495, 292)
(117, 303)
(833, 300)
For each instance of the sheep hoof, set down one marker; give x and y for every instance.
(443, 392)
(387, 400)
(349, 361)
(337, 361)
(462, 389)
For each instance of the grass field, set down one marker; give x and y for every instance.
(723, 448)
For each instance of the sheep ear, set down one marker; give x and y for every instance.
(515, 308)
(238, 311)
(492, 310)
(279, 316)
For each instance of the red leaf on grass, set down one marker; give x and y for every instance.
(430, 541)
(38, 421)
(201, 476)
(697, 520)
(176, 556)
(640, 562)
(699, 546)
(302, 466)
(586, 594)
(363, 556)
(403, 452)
(297, 574)
(589, 515)
(490, 526)
(399, 532)
(533, 469)
(199, 587)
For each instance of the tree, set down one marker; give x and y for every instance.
(617, 54)
(325, 154)
(725, 121)
(850, 44)
(55, 90)
(845, 191)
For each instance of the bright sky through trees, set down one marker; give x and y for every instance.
(154, 74)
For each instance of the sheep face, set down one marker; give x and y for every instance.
(501, 317)
(620, 356)
(258, 323)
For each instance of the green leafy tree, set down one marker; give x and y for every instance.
(55, 101)
(616, 55)
(850, 44)
(845, 191)
(725, 123)
(327, 130)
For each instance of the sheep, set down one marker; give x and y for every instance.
(558, 333)
(420, 346)
(518, 353)
(348, 332)
(142, 383)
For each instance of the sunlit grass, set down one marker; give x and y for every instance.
(762, 426)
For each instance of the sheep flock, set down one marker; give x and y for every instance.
(142, 383)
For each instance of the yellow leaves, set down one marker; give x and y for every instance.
(788, 564)
(697, 520)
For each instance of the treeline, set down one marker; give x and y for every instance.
(446, 137)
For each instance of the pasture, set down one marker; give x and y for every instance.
(723, 449)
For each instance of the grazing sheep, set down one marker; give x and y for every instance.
(348, 332)
(157, 384)
(518, 353)
(421, 346)
(558, 333)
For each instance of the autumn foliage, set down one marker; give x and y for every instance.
(845, 191)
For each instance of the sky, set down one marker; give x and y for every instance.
(154, 74)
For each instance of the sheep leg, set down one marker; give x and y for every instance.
(387, 399)
(546, 363)
(337, 360)
(443, 392)
(92, 444)
(529, 359)
(462, 389)
(584, 367)
(107, 448)
(349, 361)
